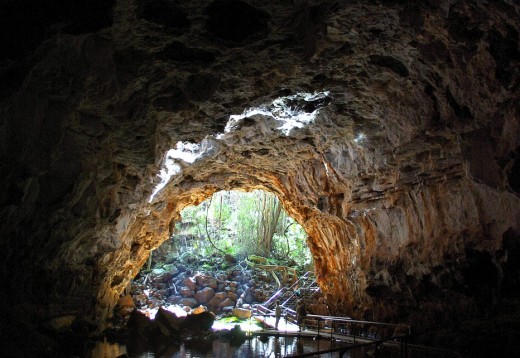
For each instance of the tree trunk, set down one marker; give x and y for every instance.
(271, 210)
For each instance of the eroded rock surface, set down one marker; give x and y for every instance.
(389, 130)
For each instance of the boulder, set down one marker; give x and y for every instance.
(172, 269)
(139, 325)
(186, 291)
(232, 295)
(164, 277)
(221, 295)
(205, 295)
(198, 310)
(157, 271)
(125, 305)
(206, 281)
(199, 279)
(189, 301)
(213, 283)
(227, 302)
(241, 313)
(215, 301)
(190, 282)
(168, 321)
(199, 322)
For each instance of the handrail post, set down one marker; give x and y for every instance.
(285, 327)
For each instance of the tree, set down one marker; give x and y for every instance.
(245, 223)
(271, 209)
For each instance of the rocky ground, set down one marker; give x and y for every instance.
(178, 299)
(190, 281)
(219, 283)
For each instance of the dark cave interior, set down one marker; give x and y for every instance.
(390, 130)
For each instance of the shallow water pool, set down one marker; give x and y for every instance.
(223, 348)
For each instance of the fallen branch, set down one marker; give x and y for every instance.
(286, 271)
(276, 279)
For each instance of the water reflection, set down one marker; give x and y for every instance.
(222, 348)
(105, 349)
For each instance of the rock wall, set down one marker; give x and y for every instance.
(390, 132)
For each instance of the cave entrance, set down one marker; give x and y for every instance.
(234, 249)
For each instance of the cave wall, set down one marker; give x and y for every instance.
(407, 174)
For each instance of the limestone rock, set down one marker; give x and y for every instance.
(220, 295)
(205, 295)
(190, 302)
(241, 313)
(227, 302)
(168, 321)
(215, 301)
(199, 322)
(125, 305)
(186, 291)
(198, 310)
(191, 283)
(139, 326)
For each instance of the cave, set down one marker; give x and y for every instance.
(389, 130)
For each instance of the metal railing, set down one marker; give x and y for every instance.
(278, 293)
(354, 332)
(358, 334)
(355, 328)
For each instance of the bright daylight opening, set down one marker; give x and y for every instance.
(288, 111)
(232, 252)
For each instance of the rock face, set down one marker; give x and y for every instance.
(389, 131)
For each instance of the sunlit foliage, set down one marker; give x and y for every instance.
(243, 224)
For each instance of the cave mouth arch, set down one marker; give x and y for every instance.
(219, 242)
(331, 239)
(277, 147)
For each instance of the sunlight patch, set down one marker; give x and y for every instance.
(246, 326)
(184, 151)
(360, 137)
(170, 169)
(289, 112)
(188, 152)
(294, 111)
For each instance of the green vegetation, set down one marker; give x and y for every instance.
(242, 224)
